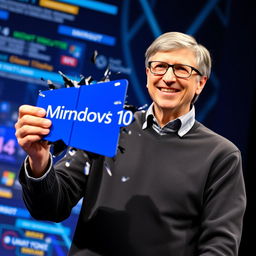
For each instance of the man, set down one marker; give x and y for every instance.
(174, 188)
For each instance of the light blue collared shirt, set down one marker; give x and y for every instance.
(181, 125)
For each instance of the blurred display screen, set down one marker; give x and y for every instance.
(38, 38)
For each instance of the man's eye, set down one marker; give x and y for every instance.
(181, 68)
(160, 65)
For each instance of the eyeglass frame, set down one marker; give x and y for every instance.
(173, 65)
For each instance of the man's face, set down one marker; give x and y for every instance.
(170, 94)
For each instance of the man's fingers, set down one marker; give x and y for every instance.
(33, 121)
(26, 142)
(31, 130)
(31, 110)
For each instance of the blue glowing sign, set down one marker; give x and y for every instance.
(87, 117)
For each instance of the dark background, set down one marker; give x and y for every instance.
(227, 105)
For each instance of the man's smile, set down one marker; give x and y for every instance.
(168, 90)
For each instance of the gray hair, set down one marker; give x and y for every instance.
(175, 40)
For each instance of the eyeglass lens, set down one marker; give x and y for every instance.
(161, 68)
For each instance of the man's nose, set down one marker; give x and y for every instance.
(169, 75)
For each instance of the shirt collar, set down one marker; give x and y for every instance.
(186, 121)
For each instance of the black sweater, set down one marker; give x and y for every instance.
(161, 195)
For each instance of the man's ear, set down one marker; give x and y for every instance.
(201, 84)
(147, 71)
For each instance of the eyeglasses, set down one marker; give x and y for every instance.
(179, 70)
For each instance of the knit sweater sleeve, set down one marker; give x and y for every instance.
(53, 196)
(224, 207)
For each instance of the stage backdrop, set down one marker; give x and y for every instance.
(38, 38)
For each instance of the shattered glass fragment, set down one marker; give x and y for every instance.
(124, 178)
(87, 168)
(67, 164)
(72, 151)
(94, 56)
(122, 149)
(108, 169)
